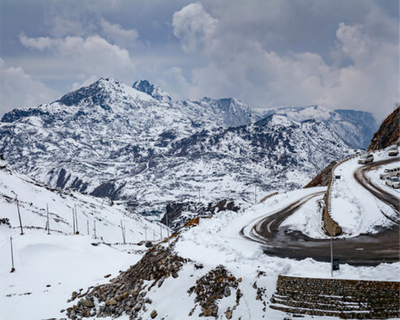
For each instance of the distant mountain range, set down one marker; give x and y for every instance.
(136, 143)
(356, 128)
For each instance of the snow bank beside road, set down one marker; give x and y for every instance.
(216, 241)
(352, 206)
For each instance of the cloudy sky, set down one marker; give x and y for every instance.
(337, 53)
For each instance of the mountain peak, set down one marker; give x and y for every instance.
(103, 91)
(152, 90)
(97, 89)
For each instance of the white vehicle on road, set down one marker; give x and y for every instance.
(366, 158)
(390, 173)
(393, 150)
(393, 182)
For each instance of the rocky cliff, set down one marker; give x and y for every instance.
(388, 133)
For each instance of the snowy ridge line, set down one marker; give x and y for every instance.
(328, 210)
(113, 140)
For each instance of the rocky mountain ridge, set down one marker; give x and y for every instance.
(135, 143)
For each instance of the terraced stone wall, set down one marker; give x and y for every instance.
(347, 299)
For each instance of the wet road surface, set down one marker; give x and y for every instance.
(366, 249)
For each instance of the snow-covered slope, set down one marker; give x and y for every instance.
(48, 267)
(109, 139)
(355, 209)
(356, 128)
(212, 255)
(152, 90)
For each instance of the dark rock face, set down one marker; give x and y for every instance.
(322, 178)
(108, 189)
(5, 221)
(152, 90)
(93, 94)
(17, 114)
(62, 178)
(388, 133)
(180, 213)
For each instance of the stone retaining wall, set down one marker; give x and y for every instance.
(331, 227)
(347, 299)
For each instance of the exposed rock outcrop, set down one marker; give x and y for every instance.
(180, 213)
(126, 294)
(388, 133)
(322, 179)
(213, 286)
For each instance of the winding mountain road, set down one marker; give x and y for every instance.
(366, 249)
(388, 198)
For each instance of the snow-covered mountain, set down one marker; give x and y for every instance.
(109, 139)
(356, 128)
(152, 90)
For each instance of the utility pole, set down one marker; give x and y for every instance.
(73, 221)
(145, 231)
(94, 229)
(123, 233)
(48, 220)
(19, 217)
(331, 256)
(12, 257)
(76, 217)
(166, 218)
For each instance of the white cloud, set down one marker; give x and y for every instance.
(40, 43)
(338, 53)
(193, 26)
(239, 64)
(85, 81)
(85, 57)
(117, 34)
(18, 89)
(372, 81)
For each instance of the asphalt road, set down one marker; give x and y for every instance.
(366, 249)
